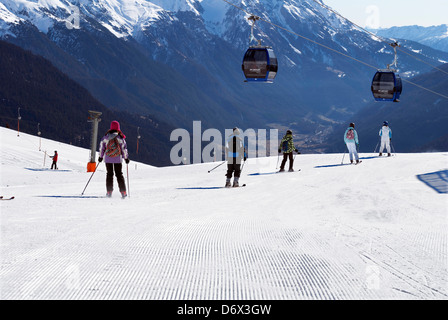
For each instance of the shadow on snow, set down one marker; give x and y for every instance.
(436, 180)
(72, 197)
(346, 164)
(200, 188)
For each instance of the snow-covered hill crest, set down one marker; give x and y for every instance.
(377, 230)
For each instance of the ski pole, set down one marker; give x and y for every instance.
(243, 166)
(295, 155)
(374, 151)
(245, 157)
(393, 149)
(127, 176)
(90, 178)
(216, 166)
(343, 158)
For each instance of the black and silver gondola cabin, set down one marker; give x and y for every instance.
(386, 86)
(386, 83)
(260, 64)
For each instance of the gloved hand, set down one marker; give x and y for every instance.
(279, 150)
(126, 160)
(297, 150)
(100, 159)
(245, 158)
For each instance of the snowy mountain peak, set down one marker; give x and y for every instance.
(124, 17)
(7, 16)
(121, 17)
(178, 5)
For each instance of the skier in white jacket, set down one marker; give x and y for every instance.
(386, 135)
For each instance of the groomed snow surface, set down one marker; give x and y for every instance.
(377, 230)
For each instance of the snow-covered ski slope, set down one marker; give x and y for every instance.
(373, 231)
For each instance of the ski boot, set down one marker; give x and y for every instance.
(124, 194)
(109, 194)
(291, 170)
(228, 185)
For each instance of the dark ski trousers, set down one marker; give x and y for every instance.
(117, 168)
(233, 168)
(54, 165)
(285, 158)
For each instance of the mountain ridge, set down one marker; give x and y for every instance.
(178, 66)
(48, 97)
(434, 36)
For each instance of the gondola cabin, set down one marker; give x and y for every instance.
(386, 86)
(260, 64)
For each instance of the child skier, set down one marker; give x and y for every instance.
(287, 146)
(351, 140)
(113, 149)
(55, 160)
(386, 136)
(235, 152)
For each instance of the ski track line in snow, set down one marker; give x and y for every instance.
(240, 253)
(226, 274)
(303, 275)
(413, 270)
(298, 275)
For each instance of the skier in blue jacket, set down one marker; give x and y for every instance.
(351, 140)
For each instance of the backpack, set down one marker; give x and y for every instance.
(350, 134)
(285, 146)
(113, 148)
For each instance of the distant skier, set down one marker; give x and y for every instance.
(351, 140)
(113, 149)
(55, 160)
(287, 147)
(235, 152)
(386, 136)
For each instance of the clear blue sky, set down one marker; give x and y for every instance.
(389, 13)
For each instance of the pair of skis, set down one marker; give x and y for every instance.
(2, 198)
(240, 186)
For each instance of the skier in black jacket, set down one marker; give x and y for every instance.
(235, 152)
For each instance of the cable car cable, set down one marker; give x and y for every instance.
(422, 87)
(334, 50)
(376, 36)
(308, 39)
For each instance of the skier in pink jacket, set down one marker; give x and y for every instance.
(113, 150)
